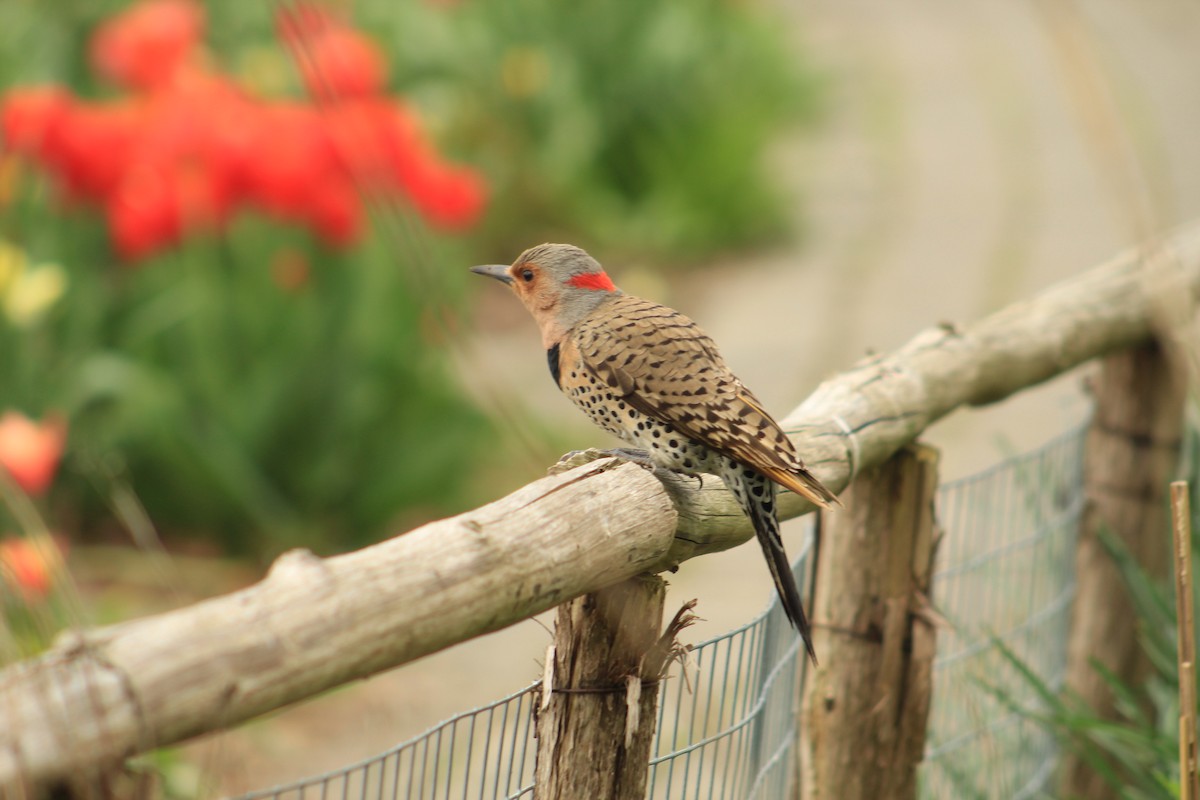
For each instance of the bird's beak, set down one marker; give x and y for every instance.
(497, 271)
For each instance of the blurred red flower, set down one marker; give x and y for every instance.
(145, 46)
(336, 61)
(381, 145)
(455, 198)
(29, 117)
(143, 214)
(291, 156)
(189, 148)
(27, 568)
(341, 63)
(208, 125)
(376, 141)
(30, 452)
(156, 203)
(92, 146)
(335, 210)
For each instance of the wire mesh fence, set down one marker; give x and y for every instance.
(726, 724)
(1005, 571)
(483, 753)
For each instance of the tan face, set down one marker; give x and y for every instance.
(537, 290)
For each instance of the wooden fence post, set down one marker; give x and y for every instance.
(1130, 453)
(596, 721)
(862, 731)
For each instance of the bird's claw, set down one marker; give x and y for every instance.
(577, 458)
(639, 457)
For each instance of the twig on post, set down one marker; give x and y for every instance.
(1181, 527)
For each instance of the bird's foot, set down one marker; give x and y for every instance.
(639, 457)
(577, 458)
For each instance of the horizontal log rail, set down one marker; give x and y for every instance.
(99, 696)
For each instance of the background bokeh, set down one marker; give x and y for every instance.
(227, 332)
(808, 182)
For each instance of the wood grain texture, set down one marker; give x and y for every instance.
(314, 624)
(589, 742)
(1131, 452)
(862, 728)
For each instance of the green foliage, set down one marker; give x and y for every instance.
(636, 126)
(1138, 754)
(259, 389)
(238, 403)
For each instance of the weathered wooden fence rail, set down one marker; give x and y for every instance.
(102, 695)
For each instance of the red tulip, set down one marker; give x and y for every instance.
(363, 136)
(28, 568)
(336, 61)
(30, 117)
(186, 152)
(176, 126)
(409, 154)
(450, 197)
(335, 211)
(30, 452)
(145, 46)
(198, 133)
(156, 204)
(143, 215)
(93, 145)
(341, 63)
(291, 155)
(226, 132)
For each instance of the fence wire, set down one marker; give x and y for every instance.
(486, 753)
(1005, 571)
(726, 729)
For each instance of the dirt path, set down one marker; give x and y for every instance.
(958, 170)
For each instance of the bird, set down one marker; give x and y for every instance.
(649, 375)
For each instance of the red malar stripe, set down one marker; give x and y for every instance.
(593, 280)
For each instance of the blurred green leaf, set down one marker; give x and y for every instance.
(1137, 755)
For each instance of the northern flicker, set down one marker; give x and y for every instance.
(649, 375)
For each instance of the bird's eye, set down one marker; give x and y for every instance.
(527, 275)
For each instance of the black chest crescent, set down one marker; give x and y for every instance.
(555, 369)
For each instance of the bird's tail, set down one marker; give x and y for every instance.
(756, 494)
(805, 484)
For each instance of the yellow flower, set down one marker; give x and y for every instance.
(28, 292)
(12, 264)
(33, 293)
